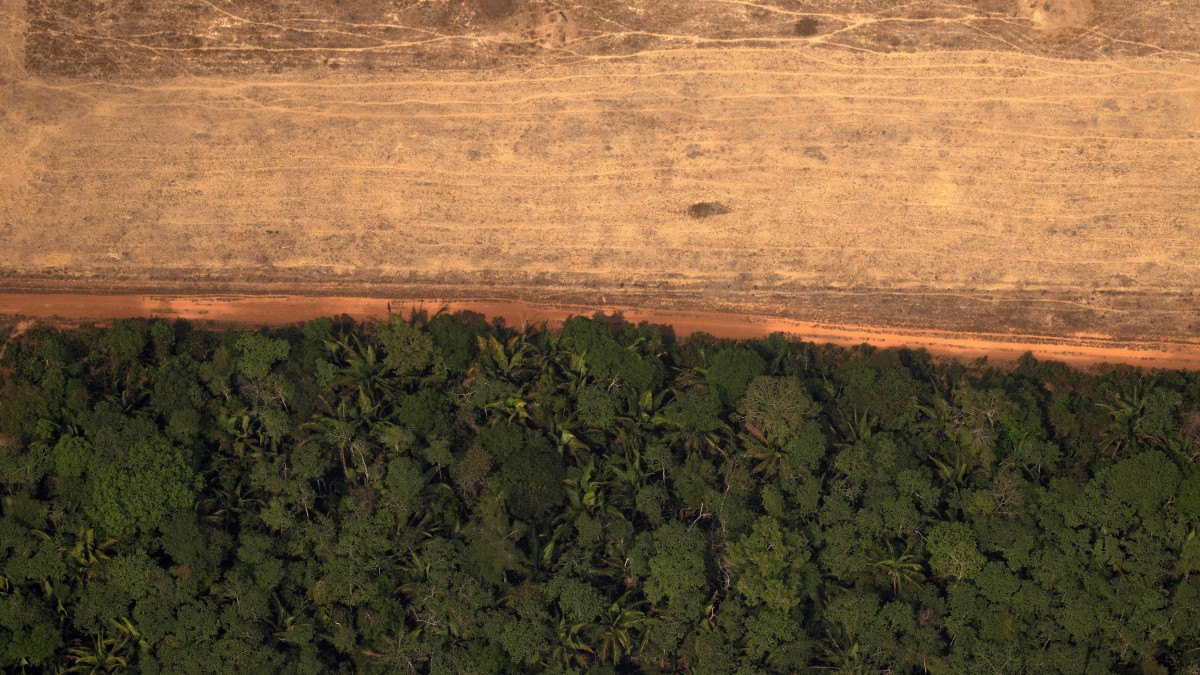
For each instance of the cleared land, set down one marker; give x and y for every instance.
(990, 167)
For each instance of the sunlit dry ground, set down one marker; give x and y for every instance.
(986, 166)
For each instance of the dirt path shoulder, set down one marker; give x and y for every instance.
(278, 310)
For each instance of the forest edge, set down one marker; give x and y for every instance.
(243, 310)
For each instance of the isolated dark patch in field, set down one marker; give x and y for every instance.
(496, 9)
(807, 27)
(706, 209)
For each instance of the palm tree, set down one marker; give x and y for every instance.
(229, 498)
(1126, 411)
(242, 433)
(130, 402)
(958, 456)
(510, 407)
(859, 428)
(109, 651)
(770, 458)
(284, 621)
(644, 414)
(508, 358)
(620, 632)
(942, 420)
(1181, 444)
(570, 651)
(701, 440)
(363, 371)
(627, 474)
(101, 657)
(563, 433)
(403, 653)
(848, 660)
(237, 431)
(86, 552)
(556, 355)
(898, 569)
(585, 493)
(416, 573)
(342, 428)
(685, 378)
(81, 556)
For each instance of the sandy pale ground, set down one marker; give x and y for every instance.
(994, 167)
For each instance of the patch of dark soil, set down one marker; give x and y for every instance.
(706, 209)
(807, 27)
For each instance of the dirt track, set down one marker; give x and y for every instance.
(995, 169)
(254, 311)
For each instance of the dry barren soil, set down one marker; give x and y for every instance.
(990, 167)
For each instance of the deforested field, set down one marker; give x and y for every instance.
(991, 167)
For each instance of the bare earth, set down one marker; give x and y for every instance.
(1079, 350)
(994, 168)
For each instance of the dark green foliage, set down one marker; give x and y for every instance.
(427, 412)
(695, 410)
(122, 344)
(257, 353)
(769, 564)
(777, 406)
(403, 486)
(532, 479)
(133, 494)
(453, 498)
(732, 370)
(1188, 499)
(888, 395)
(1146, 480)
(452, 341)
(953, 551)
(407, 349)
(607, 358)
(597, 407)
(504, 440)
(70, 456)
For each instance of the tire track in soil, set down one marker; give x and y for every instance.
(871, 159)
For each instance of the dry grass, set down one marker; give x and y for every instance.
(991, 168)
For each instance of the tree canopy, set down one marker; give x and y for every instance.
(449, 496)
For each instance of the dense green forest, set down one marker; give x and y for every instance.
(449, 496)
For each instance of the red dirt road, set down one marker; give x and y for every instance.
(1081, 350)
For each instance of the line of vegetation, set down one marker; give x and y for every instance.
(447, 496)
